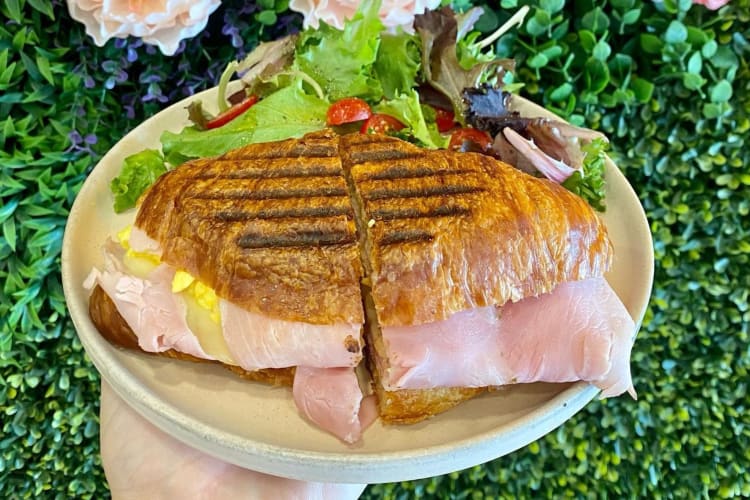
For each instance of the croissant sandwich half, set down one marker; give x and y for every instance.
(284, 260)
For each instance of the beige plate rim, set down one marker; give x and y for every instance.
(386, 455)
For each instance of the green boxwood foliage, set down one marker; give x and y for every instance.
(669, 83)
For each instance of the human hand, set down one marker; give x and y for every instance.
(141, 461)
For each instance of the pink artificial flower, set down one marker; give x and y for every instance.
(393, 13)
(158, 22)
(712, 4)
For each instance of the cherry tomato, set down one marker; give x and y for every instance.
(348, 110)
(470, 139)
(445, 119)
(381, 124)
(231, 113)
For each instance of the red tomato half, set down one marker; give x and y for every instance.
(470, 139)
(444, 119)
(231, 113)
(348, 110)
(381, 124)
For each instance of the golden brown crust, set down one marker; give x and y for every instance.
(115, 329)
(451, 231)
(268, 227)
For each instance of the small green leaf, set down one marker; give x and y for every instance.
(631, 16)
(538, 60)
(595, 20)
(643, 89)
(19, 39)
(724, 58)
(552, 52)
(587, 40)
(596, 76)
(14, 9)
(43, 65)
(40, 94)
(11, 97)
(561, 30)
(670, 6)
(620, 66)
(31, 67)
(9, 233)
(695, 63)
(692, 81)
(601, 50)
(709, 49)
(552, 6)
(534, 28)
(43, 7)
(711, 110)
(509, 4)
(267, 17)
(676, 32)
(721, 92)
(651, 44)
(562, 92)
(696, 36)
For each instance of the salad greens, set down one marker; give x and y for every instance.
(397, 66)
(342, 60)
(288, 112)
(438, 31)
(407, 108)
(588, 182)
(406, 76)
(138, 173)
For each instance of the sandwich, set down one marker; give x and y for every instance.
(291, 262)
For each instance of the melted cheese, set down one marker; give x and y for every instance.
(203, 316)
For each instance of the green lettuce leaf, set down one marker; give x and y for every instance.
(407, 109)
(588, 183)
(139, 171)
(288, 112)
(398, 62)
(341, 61)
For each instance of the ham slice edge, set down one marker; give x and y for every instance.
(579, 331)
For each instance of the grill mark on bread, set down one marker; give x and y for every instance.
(420, 192)
(406, 236)
(281, 213)
(403, 172)
(385, 214)
(303, 238)
(305, 150)
(313, 150)
(293, 172)
(276, 194)
(381, 155)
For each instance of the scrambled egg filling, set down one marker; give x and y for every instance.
(202, 311)
(142, 263)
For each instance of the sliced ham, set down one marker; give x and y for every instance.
(579, 331)
(331, 398)
(153, 312)
(257, 341)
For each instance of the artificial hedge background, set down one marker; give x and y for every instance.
(669, 82)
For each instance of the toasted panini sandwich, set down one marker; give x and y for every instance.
(462, 273)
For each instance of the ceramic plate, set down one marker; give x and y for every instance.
(258, 427)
